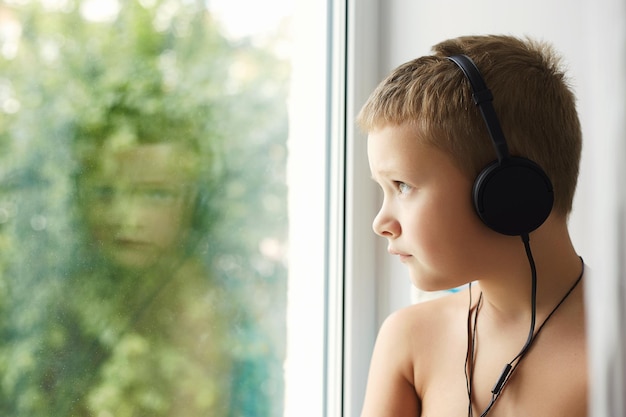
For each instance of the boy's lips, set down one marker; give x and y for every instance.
(395, 252)
(130, 242)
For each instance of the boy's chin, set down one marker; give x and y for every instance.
(424, 282)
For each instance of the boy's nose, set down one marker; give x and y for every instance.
(386, 226)
(124, 213)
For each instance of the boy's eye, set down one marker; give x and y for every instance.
(404, 188)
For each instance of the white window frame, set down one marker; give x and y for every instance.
(351, 301)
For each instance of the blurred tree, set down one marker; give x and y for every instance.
(72, 84)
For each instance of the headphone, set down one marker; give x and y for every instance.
(512, 195)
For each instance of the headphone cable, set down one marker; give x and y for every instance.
(510, 367)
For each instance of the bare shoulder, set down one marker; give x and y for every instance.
(432, 318)
(410, 345)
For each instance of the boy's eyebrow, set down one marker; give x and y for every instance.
(387, 173)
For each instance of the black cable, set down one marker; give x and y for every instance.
(471, 340)
(510, 374)
(510, 367)
(533, 297)
(468, 353)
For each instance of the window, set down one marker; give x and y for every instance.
(182, 192)
(164, 207)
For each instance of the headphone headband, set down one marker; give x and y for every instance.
(483, 99)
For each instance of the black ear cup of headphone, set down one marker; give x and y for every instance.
(514, 196)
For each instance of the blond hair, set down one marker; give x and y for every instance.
(532, 98)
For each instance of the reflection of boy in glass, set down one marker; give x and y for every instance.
(149, 330)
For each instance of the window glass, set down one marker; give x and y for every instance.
(145, 235)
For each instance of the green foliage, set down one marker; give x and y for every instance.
(79, 336)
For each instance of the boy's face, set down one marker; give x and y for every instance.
(427, 214)
(138, 204)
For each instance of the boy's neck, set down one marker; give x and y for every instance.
(507, 292)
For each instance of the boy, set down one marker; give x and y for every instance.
(427, 144)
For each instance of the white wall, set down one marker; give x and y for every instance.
(591, 36)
